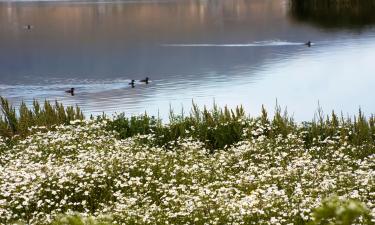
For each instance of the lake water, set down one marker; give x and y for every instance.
(231, 52)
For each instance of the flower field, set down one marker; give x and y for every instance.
(85, 168)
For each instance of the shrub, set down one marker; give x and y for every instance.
(341, 212)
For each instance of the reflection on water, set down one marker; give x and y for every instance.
(229, 51)
(347, 14)
(255, 44)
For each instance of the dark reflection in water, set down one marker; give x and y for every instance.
(229, 51)
(353, 14)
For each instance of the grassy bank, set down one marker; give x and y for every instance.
(217, 128)
(209, 167)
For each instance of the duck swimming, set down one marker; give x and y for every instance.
(71, 91)
(28, 27)
(308, 44)
(132, 83)
(145, 80)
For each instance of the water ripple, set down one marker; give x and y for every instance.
(254, 44)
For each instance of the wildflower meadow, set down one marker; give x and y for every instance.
(269, 171)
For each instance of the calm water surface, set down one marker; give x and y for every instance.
(231, 52)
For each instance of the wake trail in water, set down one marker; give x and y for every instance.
(58, 88)
(253, 44)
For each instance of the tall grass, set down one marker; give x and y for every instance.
(220, 128)
(217, 128)
(19, 123)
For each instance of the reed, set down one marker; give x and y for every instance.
(220, 128)
(47, 115)
(217, 128)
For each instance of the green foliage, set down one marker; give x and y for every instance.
(333, 211)
(217, 128)
(358, 131)
(221, 128)
(128, 127)
(80, 220)
(48, 115)
(341, 212)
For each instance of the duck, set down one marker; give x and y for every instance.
(145, 80)
(71, 91)
(28, 27)
(308, 44)
(132, 83)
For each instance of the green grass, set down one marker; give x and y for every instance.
(47, 115)
(218, 128)
(221, 128)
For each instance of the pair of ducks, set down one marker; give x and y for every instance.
(132, 83)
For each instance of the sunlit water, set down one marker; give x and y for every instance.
(231, 52)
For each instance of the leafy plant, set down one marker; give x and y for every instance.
(334, 211)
